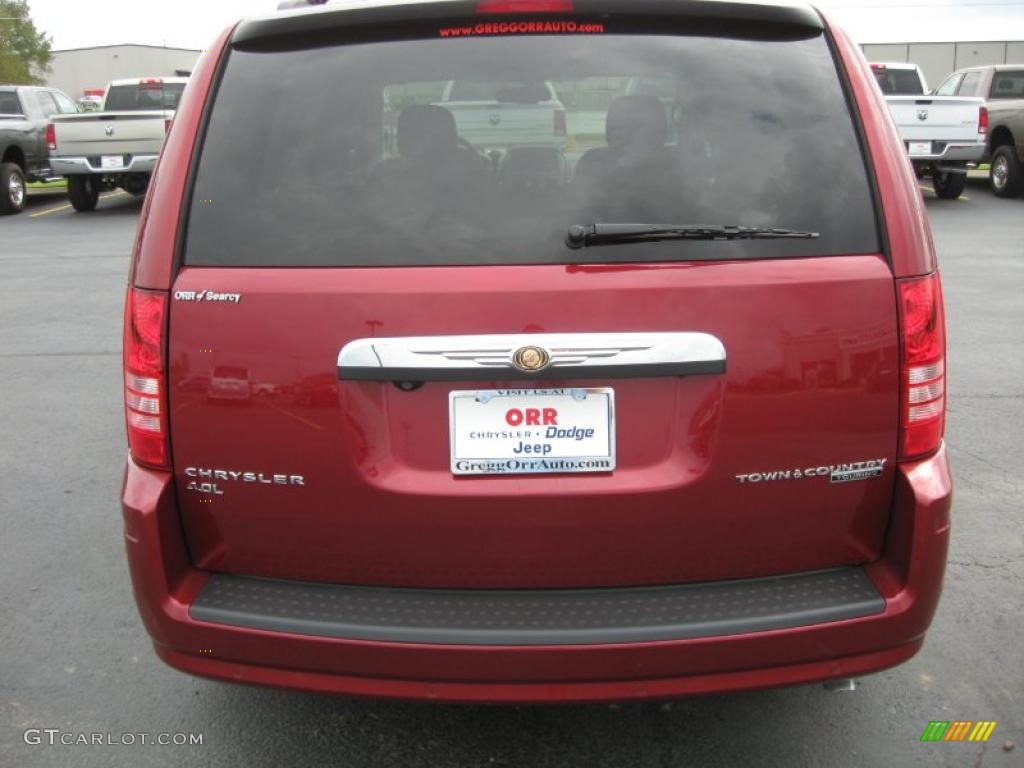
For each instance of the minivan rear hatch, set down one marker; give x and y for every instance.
(435, 385)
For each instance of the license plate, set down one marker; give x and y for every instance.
(920, 148)
(112, 161)
(530, 431)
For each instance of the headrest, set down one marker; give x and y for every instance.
(426, 129)
(635, 123)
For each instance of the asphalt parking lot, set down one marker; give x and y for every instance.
(74, 655)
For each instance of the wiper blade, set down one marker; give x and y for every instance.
(586, 235)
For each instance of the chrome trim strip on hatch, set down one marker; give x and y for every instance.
(531, 356)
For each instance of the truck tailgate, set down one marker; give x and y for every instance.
(487, 125)
(110, 133)
(945, 118)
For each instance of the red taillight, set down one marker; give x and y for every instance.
(167, 125)
(51, 136)
(145, 397)
(923, 373)
(982, 121)
(560, 128)
(524, 6)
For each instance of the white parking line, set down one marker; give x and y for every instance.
(50, 210)
(115, 193)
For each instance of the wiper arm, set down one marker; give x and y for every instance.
(586, 235)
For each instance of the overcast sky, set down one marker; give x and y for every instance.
(194, 23)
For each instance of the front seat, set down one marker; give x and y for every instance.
(636, 177)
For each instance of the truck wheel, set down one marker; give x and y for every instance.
(1004, 175)
(12, 188)
(948, 186)
(136, 184)
(83, 192)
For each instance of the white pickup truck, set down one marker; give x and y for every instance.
(118, 146)
(942, 134)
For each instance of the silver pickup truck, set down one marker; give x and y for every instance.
(117, 147)
(25, 113)
(1002, 87)
(942, 134)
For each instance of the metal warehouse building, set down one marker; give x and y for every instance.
(76, 70)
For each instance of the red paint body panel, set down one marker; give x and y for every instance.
(909, 577)
(811, 381)
(812, 378)
(534, 692)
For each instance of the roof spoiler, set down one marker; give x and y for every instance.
(340, 20)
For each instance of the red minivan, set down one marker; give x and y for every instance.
(656, 412)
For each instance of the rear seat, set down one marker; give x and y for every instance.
(636, 173)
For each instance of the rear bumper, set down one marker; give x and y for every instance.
(958, 152)
(908, 580)
(74, 166)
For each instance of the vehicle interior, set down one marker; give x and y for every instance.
(646, 125)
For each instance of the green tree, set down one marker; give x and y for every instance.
(24, 50)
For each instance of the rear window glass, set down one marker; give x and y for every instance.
(898, 82)
(137, 98)
(1008, 85)
(360, 155)
(9, 104)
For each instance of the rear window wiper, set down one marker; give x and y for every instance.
(586, 235)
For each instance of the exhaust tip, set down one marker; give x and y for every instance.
(846, 684)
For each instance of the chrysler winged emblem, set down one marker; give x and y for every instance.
(531, 358)
(922, 114)
(109, 130)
